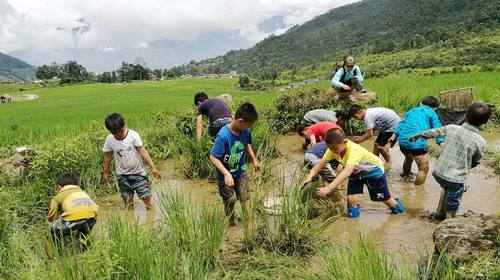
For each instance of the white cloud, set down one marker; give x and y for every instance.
(106, 24)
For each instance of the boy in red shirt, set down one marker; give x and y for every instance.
(315, 133)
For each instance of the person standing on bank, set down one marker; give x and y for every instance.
(217, 112)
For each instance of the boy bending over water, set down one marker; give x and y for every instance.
(361, 167)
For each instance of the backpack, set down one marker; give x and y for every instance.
(341, 66)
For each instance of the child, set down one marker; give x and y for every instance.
(380, 119)
(319, 115)
(417, 120)
(126, 146)
(463, 149)
(71, 211)
(361, 167)
(314, 155)
(315, 133)
(229, 155)
(217, 112)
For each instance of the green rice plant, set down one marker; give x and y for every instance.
(264, 141)
(287, 232)
(360, 261)
(192, 157)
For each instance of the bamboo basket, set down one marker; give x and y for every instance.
(457, 99)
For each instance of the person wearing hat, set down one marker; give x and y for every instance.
(347, 77)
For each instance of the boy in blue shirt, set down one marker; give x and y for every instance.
(229, 155)
(417, 120)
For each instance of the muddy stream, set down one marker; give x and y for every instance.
(409, 232)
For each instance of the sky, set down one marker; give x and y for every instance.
(100, 34)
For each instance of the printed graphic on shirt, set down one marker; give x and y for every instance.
(233, 159)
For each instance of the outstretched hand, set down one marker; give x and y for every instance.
(413, 138)
(323, 192)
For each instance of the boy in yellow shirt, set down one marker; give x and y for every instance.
(361, 167)
(71, 210)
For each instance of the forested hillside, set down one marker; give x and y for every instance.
(13, 69)
(370, 27)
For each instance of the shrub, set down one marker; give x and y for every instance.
(289, 108)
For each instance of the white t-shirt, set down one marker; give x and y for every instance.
(128, 161)
(381, 119)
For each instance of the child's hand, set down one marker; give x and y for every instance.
(156, 173)
(228, 180)
(307, 180)
(257, 166)
(413, 138)
(357, 139)
(323, 192)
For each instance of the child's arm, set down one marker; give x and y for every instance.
(228, 178)
(199, 126)
(341, 177)
(368, 134)
(251, 155)
(147, 158)
(315, 171)
(476, 158)
(52, 212)
(431, 133)
(436, 123)
(312, 139)
(108, 157)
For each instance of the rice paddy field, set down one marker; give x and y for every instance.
(189, 237)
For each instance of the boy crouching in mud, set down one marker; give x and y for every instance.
(72, 214)
(462, 151)
(126, 146)
(361, 167)
(229, 155)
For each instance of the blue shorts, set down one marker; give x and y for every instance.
(129, 184)
(454, 192)
(377, 187)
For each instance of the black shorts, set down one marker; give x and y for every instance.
(383, 138)
(377, 187)
(414, 152)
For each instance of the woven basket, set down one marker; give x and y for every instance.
(457, 99)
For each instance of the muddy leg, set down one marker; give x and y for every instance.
(440, 213)
(377, 150)
(229, 210)
(407, 165)
(423, 168)
(150, 209)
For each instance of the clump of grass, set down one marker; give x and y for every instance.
(288, 232)
(492, 158)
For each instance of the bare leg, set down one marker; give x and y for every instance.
(129, 205)
(351, 201)
(385, 152)
(407, 165)
(391, 202)
(150, 209)
(423, 168)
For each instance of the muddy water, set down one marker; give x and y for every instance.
(409, 231)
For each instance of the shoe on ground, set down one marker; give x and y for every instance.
(398, 209)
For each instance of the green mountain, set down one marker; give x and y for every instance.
(13, 69)
(363, 28)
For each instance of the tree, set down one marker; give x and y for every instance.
(72, 73)
(244, 81)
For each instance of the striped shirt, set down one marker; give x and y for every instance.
(462, 151)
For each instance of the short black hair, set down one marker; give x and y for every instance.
(430, 101)
(301, 127)
(200, 97)
(247, 113)
(114, 122)
(342, 114)
(67, 178)
(478, 113)
(334, 136)
(354, 109)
